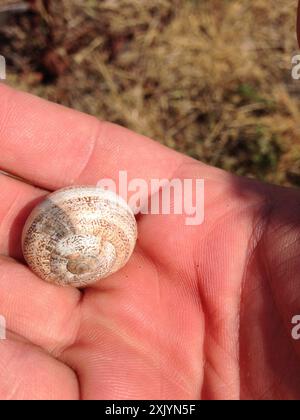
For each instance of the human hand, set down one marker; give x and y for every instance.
(198, 312)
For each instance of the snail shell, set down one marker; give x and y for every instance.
(79, 235)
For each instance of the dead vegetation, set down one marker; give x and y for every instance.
(209, 78)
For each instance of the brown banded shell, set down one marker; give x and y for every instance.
(79, 235)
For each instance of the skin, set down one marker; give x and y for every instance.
(199, 311)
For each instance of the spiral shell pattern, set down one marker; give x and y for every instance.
(79, 235)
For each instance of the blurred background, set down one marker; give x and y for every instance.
(210, 78)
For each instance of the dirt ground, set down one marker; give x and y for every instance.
(210, 78)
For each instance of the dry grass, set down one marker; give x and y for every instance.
(209, 78)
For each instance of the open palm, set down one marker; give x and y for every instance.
(198, 312)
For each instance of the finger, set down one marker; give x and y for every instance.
(35, 309)
(17, 201)
(29, 374)
(45, 315)
(52, 146)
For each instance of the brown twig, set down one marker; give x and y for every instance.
(19, 7)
